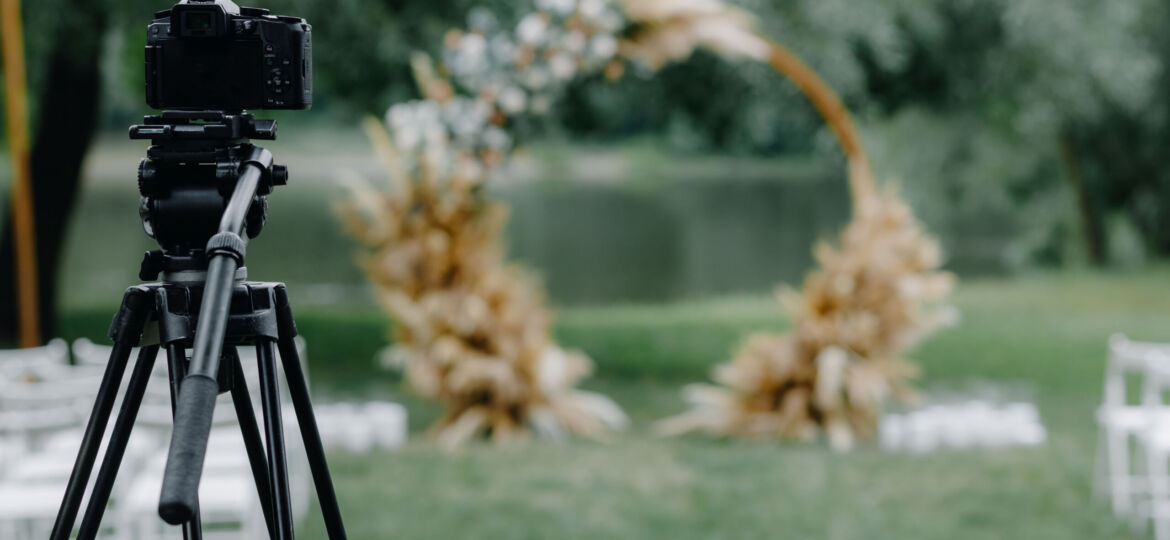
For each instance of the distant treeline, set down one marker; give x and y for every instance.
(1040, 125)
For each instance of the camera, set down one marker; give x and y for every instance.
(213, 54)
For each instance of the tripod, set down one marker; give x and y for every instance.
(203, 185)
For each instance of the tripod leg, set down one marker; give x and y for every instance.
(126, 330)
(117, 445)
(274, 430)
(252, 440)
(298, 389)
(176, 370)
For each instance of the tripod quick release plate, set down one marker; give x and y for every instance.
(202, 126)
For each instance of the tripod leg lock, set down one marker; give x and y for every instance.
(136, 309)
(227, 243)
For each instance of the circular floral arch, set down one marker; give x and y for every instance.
(473, 333)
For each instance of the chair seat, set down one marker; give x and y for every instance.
(1132, 418)
(46, 467)
(24, 501)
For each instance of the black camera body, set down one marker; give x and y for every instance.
(213, 54)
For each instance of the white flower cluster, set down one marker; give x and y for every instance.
(430, 130)
(505, 73)
(521, 70)
(974, 424)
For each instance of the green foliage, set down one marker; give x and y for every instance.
(1037, 116)
(1021, 130)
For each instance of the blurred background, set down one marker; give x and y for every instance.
(660, 211)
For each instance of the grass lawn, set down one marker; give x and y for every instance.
(1045, 332)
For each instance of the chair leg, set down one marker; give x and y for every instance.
(1159, 491)
(1140, 486)
(1121, 490)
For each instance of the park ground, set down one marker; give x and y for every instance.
(1043, 335)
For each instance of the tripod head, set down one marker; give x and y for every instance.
(191, 171)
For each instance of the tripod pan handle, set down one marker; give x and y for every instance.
(180, 488)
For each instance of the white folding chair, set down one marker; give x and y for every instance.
(228, 502)
(1121, 422)
(95, 356)
(27, 511)
(56, 352)
(1154, 445)
(388, 421)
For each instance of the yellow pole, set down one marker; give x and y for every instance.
(24, 231)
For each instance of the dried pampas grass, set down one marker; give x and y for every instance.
(874, 297)
(665, 31)
(470, 331)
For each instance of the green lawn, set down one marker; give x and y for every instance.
(1046, 333)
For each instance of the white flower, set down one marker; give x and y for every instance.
(435, 136)
(407, 139)
(513, 100)
(536, 78)
(540, 104)
(428, 113)
(563, 66)
(502, 49)
(593, 9)
(533, 29)
(604, 46)
(575, 42)
(482, 19)
(496, 138)
(471, 55)
(466, 118)
(559, 7)
(399, 115)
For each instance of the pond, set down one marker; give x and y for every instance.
(610, 228)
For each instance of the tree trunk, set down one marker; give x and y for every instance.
(1092, 227)
(65, 125)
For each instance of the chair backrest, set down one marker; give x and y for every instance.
(88, 353)
(77, 390)
(56, 353)
(1156, 380)
(1130, 357)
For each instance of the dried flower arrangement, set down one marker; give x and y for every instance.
(858, 314)
(473, 332)
(470, 331)
(851, 325)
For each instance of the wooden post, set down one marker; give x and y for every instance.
(24, 230)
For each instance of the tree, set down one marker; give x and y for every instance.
(1026, 105)
(65, 124)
